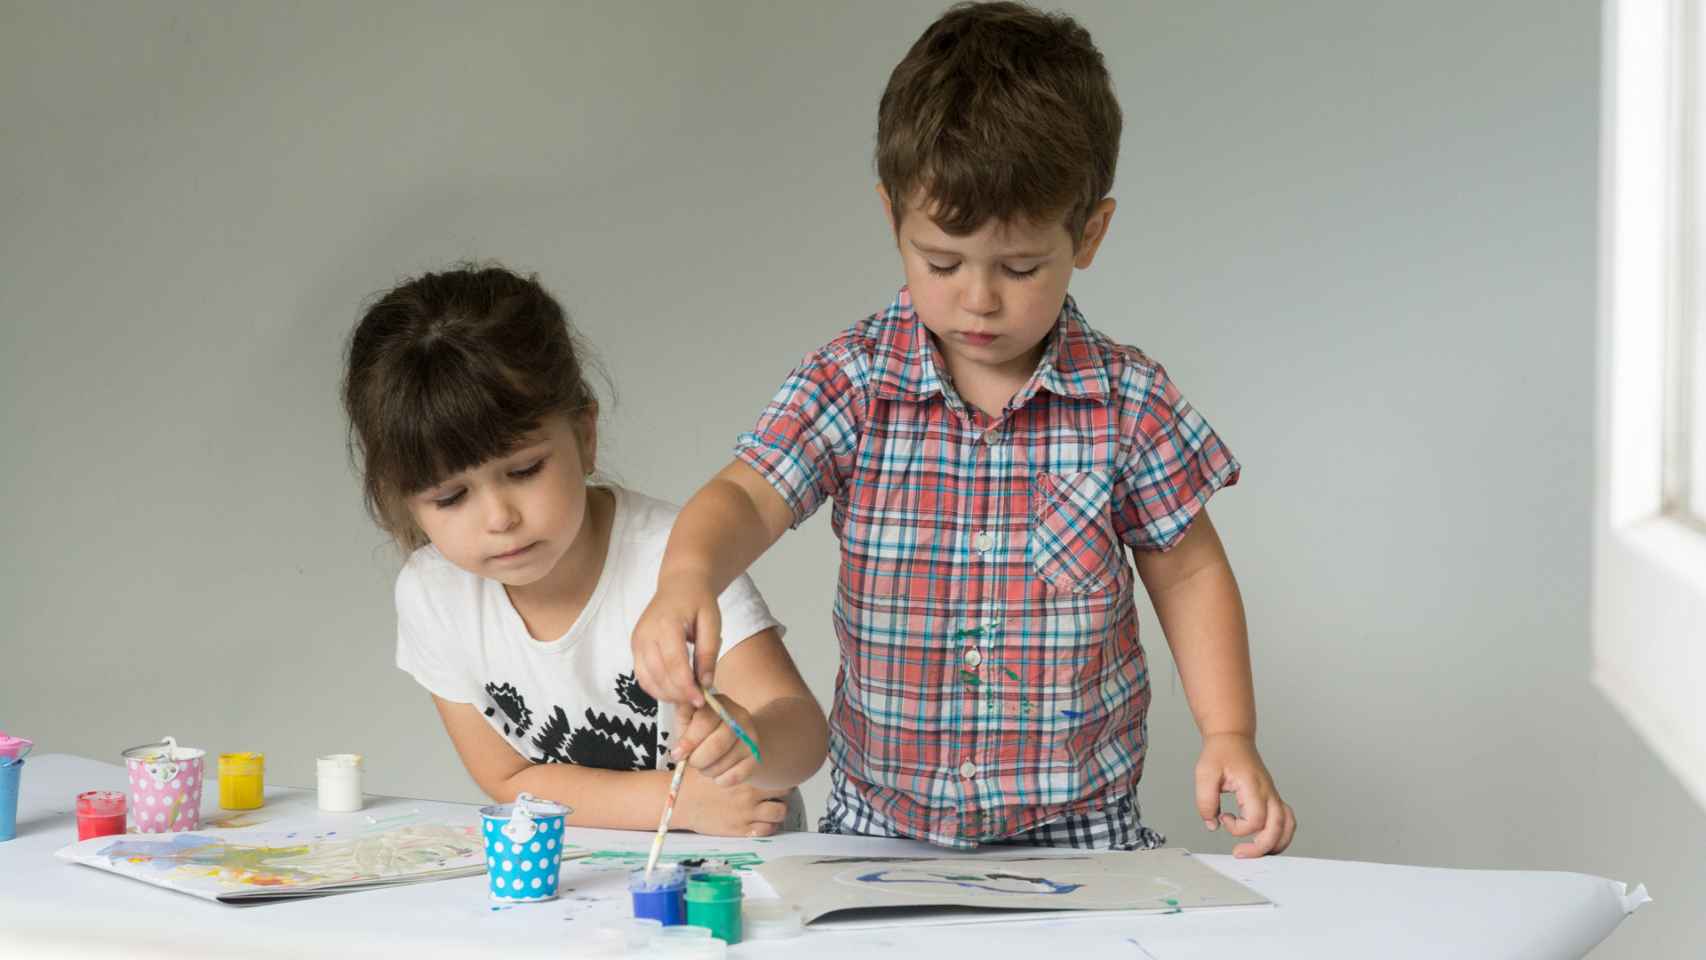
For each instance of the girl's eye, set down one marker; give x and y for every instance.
(529, 470)
(1022, 274)
(940, 270)
(444, 503)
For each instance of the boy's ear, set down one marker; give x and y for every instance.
(888, 209)
(1095, 231)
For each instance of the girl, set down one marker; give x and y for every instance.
(476, 432)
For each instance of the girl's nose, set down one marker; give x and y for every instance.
(501, 514)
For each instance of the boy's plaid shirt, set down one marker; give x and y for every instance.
(991, 677)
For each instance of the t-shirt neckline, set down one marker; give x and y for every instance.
(566, 642)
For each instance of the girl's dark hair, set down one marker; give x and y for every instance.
(450, 370)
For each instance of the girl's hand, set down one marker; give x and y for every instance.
(739, 811)
(1230, 763)
(710, 745)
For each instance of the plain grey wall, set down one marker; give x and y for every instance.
(1360, 235)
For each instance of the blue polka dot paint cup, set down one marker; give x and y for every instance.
(524, 848)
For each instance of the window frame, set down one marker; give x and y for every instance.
(1649, 547)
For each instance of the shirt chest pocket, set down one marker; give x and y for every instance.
(1072, 543)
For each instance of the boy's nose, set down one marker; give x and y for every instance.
(978, 297)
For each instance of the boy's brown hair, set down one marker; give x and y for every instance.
(999, 111)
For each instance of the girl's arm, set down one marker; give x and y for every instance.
(760, 686)
(622, 799)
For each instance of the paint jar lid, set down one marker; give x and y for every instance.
(713, 886)
(100, 803)
(630, 932)
(770, 920)
(339, 762)
(14, 748)
(166, 749)
(685, 931)
(242, 763)
(663, 878)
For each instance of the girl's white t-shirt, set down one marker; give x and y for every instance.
(571, 699)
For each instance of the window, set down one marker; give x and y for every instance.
(1649, 579)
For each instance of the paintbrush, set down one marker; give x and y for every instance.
(668, 809)
(711, 698)
(681, 767)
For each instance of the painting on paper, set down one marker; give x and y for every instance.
(250, 864)
(872, 891)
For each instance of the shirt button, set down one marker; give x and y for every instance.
(973, 657)
(992, 438)
(968, 769)
(983, 541)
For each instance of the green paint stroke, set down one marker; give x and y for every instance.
(1010, 673)
(969, 632)
(737, 860)
(970, 678)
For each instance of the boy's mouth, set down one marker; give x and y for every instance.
(978, 339)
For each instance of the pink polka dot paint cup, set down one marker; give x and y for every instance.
(165, 786)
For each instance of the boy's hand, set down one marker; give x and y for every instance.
(1229, 762)
(739, 811)
(683, 611)
(710, 745)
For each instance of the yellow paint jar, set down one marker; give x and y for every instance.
(240, 779)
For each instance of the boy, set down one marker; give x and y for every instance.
(989, 456)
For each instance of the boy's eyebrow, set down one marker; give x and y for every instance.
(1014, 254)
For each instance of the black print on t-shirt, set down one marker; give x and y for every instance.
(610, 742)
(508, 699)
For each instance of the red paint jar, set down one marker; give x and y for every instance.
(100, 813)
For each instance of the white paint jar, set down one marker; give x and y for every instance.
(340, 782)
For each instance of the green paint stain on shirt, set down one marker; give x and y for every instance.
(970, 678)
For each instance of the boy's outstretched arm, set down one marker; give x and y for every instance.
(1196, 599)
(727, 525)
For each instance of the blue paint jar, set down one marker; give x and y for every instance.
(661, 899)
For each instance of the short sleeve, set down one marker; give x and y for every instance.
(426, 645)
(744, 614)
(805, 439)
(1173, 464)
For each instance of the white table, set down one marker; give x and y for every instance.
(1323, 908)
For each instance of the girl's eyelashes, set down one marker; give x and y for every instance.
(529, 470)
(941, 270)
(449, 500)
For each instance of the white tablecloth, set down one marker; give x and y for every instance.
(1323, 908)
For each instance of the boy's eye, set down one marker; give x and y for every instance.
(529, 470)
(449, 500)
(940, 269)
(1018, 274)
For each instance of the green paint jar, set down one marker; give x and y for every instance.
(713, 901)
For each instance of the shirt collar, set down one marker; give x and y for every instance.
(907, 365)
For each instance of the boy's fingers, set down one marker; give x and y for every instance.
(1208, 796)
(708, 638)
(1289, 831)
(761, 828)
(1252, 814)
(1269, 836)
